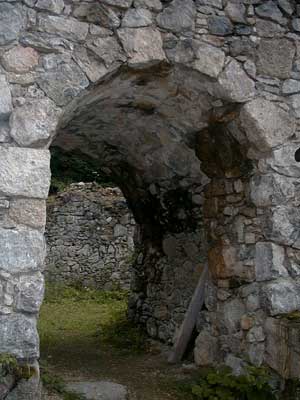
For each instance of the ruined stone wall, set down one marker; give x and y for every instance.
(89, 235)
(192, 107)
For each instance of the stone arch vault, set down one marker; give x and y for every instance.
(192, 107)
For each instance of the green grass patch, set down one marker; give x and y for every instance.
(90, 319)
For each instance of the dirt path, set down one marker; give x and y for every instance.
(75, 345)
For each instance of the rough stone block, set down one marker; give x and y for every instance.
(179, 16)
(270, 10)
(119, 3)
(269, 261)
(233, 311)
(220, 25)
(209, 59)
(143, 46)
(24, 172)
(55, 6)
(29, 212)
(266, 124)
(283, 160)
(282, 346)
(21, 250)
(5, 98)
(272, 189)
(69, 28)
(234, 83)
(34, 123)
(63, 82)
(281, 297)
(30, 293)
(275, 57)
(19, 336)
(20, 59)
(108, 50)
(282, 225)
(154, 5)
(137, 18)
(206, 349)
(11, 22)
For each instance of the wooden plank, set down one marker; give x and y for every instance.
(190, 319)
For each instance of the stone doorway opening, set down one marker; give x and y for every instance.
(179, 155)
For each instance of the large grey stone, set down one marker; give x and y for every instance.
(295, 104)
(28, 389)
(179, 16)
(236, 12)
(119, 3)
(68, 28)
(276, 345)
(283, 225)
(219, 25)
(94, 68)
(108, 50)
(269, 261)
(272, 189)
(232, 313)
(64, 82)
(30, 293)
(5, 98)
(101, 390)
(19, 336)
(154, 5)
(234, 83)
(265, 124)
(281, 297)
(291, 86)
(34, 123)
(206, 349)
(143, 46)
(182, 52)
(102, 15)
(275, 57)
(137, 18)
(270, 10)
(287, 6)
(209, 59)
(268, 29)
(283, 160)
(12, 21)
(45, 42)
(24, 172)
(21, 250)
(55, 6)
(296, 24)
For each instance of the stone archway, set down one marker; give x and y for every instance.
(213, 172)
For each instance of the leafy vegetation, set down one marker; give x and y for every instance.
(55, 384)
(223, 385)
(74, 166)
(8, 364)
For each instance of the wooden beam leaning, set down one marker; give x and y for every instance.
(190, 319)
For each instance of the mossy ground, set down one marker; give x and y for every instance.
(85, 336)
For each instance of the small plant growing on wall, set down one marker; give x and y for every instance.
(8, 365)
